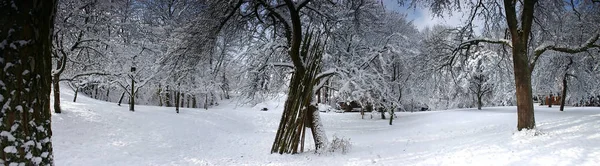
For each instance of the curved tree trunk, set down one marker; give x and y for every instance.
(26, 82)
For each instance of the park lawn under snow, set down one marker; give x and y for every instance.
(92, 132)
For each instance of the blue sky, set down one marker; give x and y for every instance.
(422, 17)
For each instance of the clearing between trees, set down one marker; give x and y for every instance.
(92, 132)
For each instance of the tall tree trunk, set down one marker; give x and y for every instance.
(564, 93)
(60, 67)
(26, 80)
(526, 118)
(519, 38)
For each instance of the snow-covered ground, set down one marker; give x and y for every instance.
(92, 132)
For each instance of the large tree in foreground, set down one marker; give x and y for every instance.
(519, 17)
(25, 58)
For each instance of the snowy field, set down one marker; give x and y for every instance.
(92, 132)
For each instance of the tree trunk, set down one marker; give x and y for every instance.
(168, 97)
(519, 32)
(132, 97)
(26, 81)
(479, 102)
(75, 96)
(188, 101)
(194, 104)
(564, 94)
(108, 94)
(298, 105)
(121, 98)
(392, 115)
(206, 101)
(96, 87)
(526, 118)
(159, 94)
(177, 100)
(182, 98)
(55, 84)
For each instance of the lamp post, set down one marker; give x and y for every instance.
(132, 99)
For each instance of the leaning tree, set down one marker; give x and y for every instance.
(25, 57)
(518, 18)
(305, 46)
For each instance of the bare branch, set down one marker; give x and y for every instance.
(288, 65)
(589, 44)
(86, 74)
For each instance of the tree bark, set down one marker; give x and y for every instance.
(522, 70)
(479, 102)
(26, 80)
(56, 89)
(564, 93)
(132, 96)
(194, 102)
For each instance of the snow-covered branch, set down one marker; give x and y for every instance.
(281, 64)
(327, 73)
(86, 74)
(589, 44)
(485, 40)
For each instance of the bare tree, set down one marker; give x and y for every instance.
(519, 17)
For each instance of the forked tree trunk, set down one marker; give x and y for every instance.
(519, 32)
(25, 128)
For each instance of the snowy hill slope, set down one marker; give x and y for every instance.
(92, 132)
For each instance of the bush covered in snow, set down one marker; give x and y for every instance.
(338, 144)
